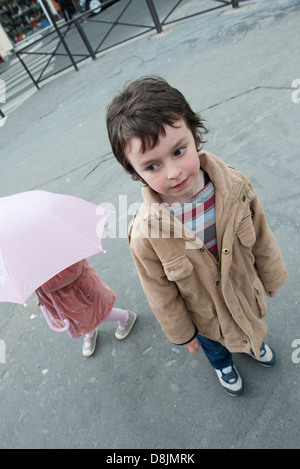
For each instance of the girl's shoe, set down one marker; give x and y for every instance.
(125, 327)
(267, 355)
(89, 344)
(231, 381)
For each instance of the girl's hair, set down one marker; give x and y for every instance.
(142, 110)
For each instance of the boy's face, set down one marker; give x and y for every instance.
(172, 167)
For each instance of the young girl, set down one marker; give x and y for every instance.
(204, 252)
(85, 300)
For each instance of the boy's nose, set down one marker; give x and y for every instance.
(173, 172)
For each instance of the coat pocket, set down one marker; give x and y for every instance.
(260, 295)
(246, 233)
(207, 322)
(83, 297)
(178, 269)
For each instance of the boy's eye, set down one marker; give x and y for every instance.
(179, 151)
(152, 168)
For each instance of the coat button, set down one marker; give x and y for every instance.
(201, 249)
(226, 251)
(217, 282)
(245, 341)
(244, 198)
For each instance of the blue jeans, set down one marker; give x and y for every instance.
(218, 355)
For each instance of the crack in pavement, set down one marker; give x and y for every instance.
(76, 169)
(254, 88)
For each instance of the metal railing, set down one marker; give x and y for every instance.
(87, 35)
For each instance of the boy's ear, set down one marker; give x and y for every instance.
(136, 177)
(198, 141)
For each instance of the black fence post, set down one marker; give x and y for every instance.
(154, 15)
(59, 34)
(85, 39)
(235, 3)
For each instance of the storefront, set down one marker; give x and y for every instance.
(21, 19)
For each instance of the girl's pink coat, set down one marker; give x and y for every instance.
(81, 295)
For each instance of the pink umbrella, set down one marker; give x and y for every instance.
(41, 234)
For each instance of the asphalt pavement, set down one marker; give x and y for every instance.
(240, 70)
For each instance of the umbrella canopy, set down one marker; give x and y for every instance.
(41, 234)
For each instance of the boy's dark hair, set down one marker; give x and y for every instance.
(142, 110)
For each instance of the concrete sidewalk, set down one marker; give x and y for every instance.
(236, 67)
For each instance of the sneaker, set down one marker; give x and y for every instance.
(267, 355)
(89, 344)
(125, 327)
(231, 381)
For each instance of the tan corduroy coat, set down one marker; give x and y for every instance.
(186, 287)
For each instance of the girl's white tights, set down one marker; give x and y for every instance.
(116, 314)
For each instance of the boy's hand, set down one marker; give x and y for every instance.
(193, 346)
(271, 294)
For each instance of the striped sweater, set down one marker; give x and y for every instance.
(198, 215)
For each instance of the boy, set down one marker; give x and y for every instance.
(203, 250)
